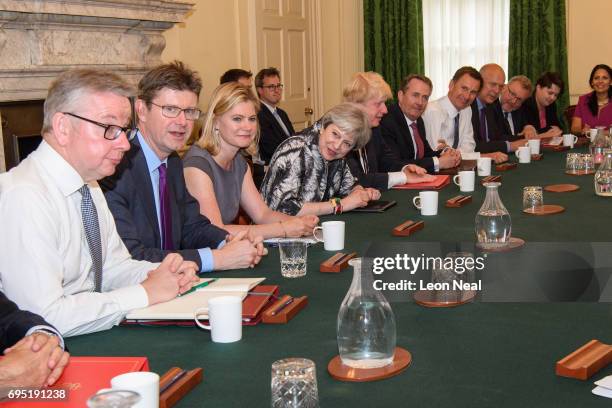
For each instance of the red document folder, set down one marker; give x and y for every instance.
(83, 377)
(437, 184)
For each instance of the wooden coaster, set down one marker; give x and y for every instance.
(580, 172)
(585, 361)
(506, 166)
(546, 209)
(339, 371)
(512, 244)
(561, 188)
(430, 298)
(537, 157)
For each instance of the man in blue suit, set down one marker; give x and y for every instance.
(34, 354)
(154, 213)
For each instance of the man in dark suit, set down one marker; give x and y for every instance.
(34, 349)
(404, 131)
(274, 123)
(507, 110)
(243, 77)
(491, 140)
(376, 165)
(153, 211)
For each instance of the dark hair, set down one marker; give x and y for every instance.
(266, 72)
(471, 71)
(410, 77)
(548, 79)
(174, 75)
(592, 101)
(233, 75)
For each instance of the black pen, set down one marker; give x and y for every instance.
(173, 381)
(281, 307)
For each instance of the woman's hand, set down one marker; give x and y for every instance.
(300, 226)
(359, 197)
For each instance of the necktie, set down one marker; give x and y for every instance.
(483, 125)
(418, 142)
(509, 120)
(364, 160)
(280, 122)
(542, 114)
(165, 214)
(89, 214)
(456, 133)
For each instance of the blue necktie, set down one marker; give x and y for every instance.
(89, 214)
(165, 214)
(483, 125)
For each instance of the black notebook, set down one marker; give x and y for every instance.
(376, 206)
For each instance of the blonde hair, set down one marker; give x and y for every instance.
(364, 86)
(67, 90)
(350, 119)
(223, 99)
(523, 81)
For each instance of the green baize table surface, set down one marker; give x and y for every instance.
(476, 355)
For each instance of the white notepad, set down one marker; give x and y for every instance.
(182, 307)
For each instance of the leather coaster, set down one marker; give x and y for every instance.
(339, 371)
(561, 188)
(505, 166)
(428, 298)
(537, 157)
(546, 209)
(580, 172)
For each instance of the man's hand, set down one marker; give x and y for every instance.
(529, 132)
(441, 144)
(498, 157)
(517, 143)
(414, 169)
(449, 158)
(22, 367)
(238, 252)
(163, 284)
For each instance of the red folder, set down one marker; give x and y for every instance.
(438, 183)
(83, 377)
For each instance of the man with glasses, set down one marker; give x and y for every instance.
(154, 213)
(490, 139)
(507, 109)
(274, 123)
(61, 255)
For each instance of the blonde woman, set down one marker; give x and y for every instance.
(218, 176)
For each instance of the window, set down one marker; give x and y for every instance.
(463, 32)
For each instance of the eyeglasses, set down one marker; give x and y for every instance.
(514, 95)
(170, 111)
(111, 132)
(273, 87)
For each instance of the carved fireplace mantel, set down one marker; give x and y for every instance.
(39, 39)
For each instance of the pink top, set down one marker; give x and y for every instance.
(542, 114)
(604, 118)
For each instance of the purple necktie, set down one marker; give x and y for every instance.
(419, 146)
(483, 125)
(165, 214)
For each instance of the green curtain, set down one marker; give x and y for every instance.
(538, 43)
(393, 33)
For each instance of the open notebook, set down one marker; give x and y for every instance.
(182, 307)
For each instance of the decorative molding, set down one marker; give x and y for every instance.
(316, 58)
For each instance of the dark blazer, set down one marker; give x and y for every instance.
(15, 323)
(397, 136)
(380, 159)
(530, 109)
(271, 134)
(129, 194)
(497, 139)
(518, 119)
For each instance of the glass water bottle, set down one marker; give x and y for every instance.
(366, 324)
(493, 223)
(603, 176)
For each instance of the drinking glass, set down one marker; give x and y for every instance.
(532, 197)
(294, 384)
(113, 399)
(293, 254)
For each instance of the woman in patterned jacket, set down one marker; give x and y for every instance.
(308, 173)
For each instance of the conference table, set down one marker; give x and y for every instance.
(476, 355)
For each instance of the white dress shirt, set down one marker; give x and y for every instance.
(46, 262)
(439, 118)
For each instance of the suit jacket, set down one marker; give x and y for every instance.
(530, 109)
(497, 139)
(518, 119)
(380, 159)
(271, 134)
(397, 136)
(15, 323)
(129, 194)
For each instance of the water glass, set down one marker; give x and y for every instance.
(532, 197)
(293, 254)
(572, 162)
(113, 399)
(294, 384)
(589, 163)
(448, 273)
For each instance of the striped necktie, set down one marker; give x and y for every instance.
(89, 214)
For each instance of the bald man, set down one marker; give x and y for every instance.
(491, 139)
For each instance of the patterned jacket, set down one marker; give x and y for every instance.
(298, 174)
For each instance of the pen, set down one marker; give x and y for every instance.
(198, 286)
(282, 306)
(173, 381)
